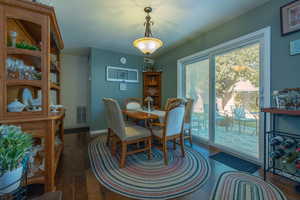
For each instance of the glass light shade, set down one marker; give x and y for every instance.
(148, 45)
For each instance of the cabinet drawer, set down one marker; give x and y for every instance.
(36, 129)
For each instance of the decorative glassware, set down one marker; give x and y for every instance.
(13, 37)
(11, 69)
(31, 71)
(21, 69)
(26, 73)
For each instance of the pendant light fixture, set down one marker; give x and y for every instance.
(148, 44)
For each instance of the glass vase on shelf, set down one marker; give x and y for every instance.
(13, 38)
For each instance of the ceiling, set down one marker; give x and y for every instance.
(115, 24)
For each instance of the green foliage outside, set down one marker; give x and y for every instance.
(232, 67)
(235, 66)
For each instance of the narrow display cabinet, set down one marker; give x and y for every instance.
(152, 88)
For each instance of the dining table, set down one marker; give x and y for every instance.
(145, 115)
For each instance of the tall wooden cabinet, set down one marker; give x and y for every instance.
(30, 43)
(152, 87)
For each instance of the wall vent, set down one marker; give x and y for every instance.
(81, 115)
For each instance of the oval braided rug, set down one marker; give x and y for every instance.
(149, 179)
(243, 186)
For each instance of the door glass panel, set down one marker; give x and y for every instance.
(197, 88)
(237, 96)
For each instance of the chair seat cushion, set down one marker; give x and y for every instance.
(136, 132)
(157, 131)
(133, 106)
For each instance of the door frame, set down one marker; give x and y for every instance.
(263, 36)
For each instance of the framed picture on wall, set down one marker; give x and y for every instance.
(290, 17)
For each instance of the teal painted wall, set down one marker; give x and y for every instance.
(285, 69)
(100, 88)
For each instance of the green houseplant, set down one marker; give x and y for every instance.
(14, 147)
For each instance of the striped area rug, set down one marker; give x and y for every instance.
(243, 186)
(149, 179)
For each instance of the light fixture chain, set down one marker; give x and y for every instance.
(148, 23)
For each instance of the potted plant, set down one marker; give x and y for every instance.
(14, 147)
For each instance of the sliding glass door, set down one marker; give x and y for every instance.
(237, 83)
(197, 88)
(229, 83)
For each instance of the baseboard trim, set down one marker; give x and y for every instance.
(77, 130)
(98, 132)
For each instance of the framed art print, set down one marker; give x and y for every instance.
(290, 18)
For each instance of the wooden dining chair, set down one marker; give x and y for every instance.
(126, 135)
(171, 129)
(187, 125)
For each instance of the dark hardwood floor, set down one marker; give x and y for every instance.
(77, 182)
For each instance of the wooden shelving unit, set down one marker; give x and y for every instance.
(36, 25)
(33, 83)
(152, 87)
(11, 50)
